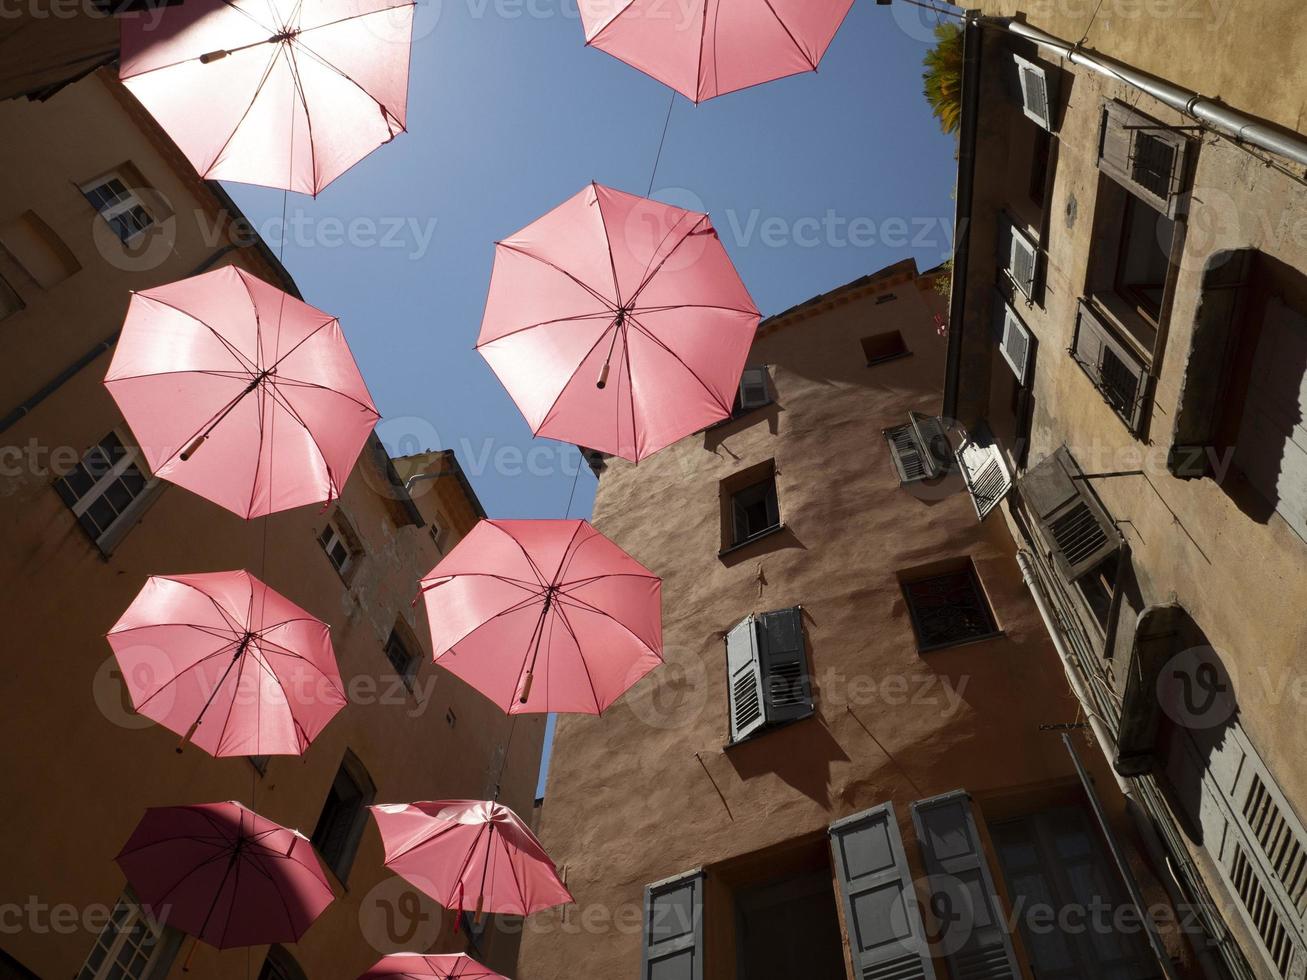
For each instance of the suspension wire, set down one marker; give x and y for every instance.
(661, 140)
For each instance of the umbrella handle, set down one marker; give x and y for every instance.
(481, 904)
(193, 447)
(186, 966)
(603, 377)
(190, 732)
(526, 688)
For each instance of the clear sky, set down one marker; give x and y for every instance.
(811, 182)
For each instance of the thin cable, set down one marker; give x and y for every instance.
(663, 139)
(1090, 26)
(575, 476)
(938, 10)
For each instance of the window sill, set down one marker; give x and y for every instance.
(775, 529)
(969, 641)
(890, 357)
(1127, 323)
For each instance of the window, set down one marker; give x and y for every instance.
(1076, 529)
(980, 458)
(1114, 367)
(105, 490)
(753, 392)
(789, 927)
(438, 535)
(1041, 157)
(921, 449)
(399, 651)
(1019, 256)
(340, 825)
(341, 545)
(754, 511)
(10, 301)
(1014, 339)
(885, 298)
(280, 965)
(1098, 587)
(1144, 259)
(1038, 91)
(118, 205)
(948, 609)
(451, 719)
(768, 683)
(1146, 158)
(132, 946)
(882, 347)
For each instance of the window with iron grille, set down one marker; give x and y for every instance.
(1153, 163)
(949, 608)
(132, 946)
(118, 205)
(102, 489)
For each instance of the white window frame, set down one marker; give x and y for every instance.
(168, 941)
(438, 532)
(129, 201)
(109, 537)
(340, 533)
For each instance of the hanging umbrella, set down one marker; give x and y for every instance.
(470, 854)
(544, 616)
(284, 93)
(240, 392)
(618, 323)
(228, 663)
(224, 874)
(453, 966)
(706, 48)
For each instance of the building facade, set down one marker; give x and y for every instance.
(853, 763)
(1129, 322)
(95, 203)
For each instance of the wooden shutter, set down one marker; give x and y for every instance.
(744, 679)
(975, 938)
(1116, 371)
(1143, 156)
(932, 437)
(787, 685)
(1014, 340)
(753, 388)
(1020, 255)
(673, 929)
(983, 469)
(1038, 91)
(909, 459)
(883, 924)
(1075, 527)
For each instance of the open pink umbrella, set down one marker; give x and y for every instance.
(470, 854)
(706, 48)
(284, 93)
(544, 616)
(415, 966)
(618, 323)
(240, 392)
(224, 874)
(228, 663)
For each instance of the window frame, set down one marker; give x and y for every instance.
(351, 769)
(167, 943)
(131, 457)
(903, 349)
(11, 302)
(408, 673)
(966, 567)
(769, 672)
(125, 204)
(770, 502)
(338, 529)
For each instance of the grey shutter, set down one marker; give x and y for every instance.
(886, 938)
(1019, 254)
(932, 437)
(744, 680)
(787, 685)
(1014, 341)
(1075, 527)
(673, 929)
(974, 935)
(909, 459)
(984, 471)
(1116, 371)
(1144, 157)
(1038, 91)
(753, 388)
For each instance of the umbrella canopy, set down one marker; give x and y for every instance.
(223, 873)
(706, 48)
(544, 616)
(618, 323)
(240, 392)
(284, 93)
(228, 663)
(470, 854)
(454, 966)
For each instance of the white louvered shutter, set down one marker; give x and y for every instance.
(744, 674)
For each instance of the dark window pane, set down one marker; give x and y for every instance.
(755, 510)
(948, 609)
(134, 480)
(97, 463)
(102, 514)
(118, 495)
(884, 346)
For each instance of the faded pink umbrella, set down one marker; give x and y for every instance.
(240, 392)
(544, 616)
(224, 874)
(283, 93)
(227, 663)
(417, 966)
(473, 855)
(618, 323)
(706, 48)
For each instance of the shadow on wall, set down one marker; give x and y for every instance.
(801, 754)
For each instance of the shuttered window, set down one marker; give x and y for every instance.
(1117, 372)
(1014, 340)
(1074, 526)
(984, 471)
(673, 929)
(881, 918)
(767, 672)
(1038, 91)
(949, 609)
(1146, 158)
(1020, 256)
(974, 936)
(754, 391)
(920, 450)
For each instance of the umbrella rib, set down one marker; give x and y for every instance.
(572, 377)
(298, 383)
(690, 306)
(610, 23)
(630, 391)
(587, 607)
(644, 330)
(343, 20)
(301, 733)
(333, 487)
(608, 244)
(258, 90)
(298, 43)
(651, 274)
(559, 269)
(605, 315)
(222, 732)
(439, 832)
(294, 68)
(177, 676)
(790, 34)
(252, 367)
(520, 583)
(580, 655)
(186, 61)
(577, 582)
(230, 375)
(525, 554)
(282, 651)
(703, 43)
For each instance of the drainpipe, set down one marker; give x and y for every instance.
(1233, 123)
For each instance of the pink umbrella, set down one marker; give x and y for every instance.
(284, 93)
(453, 850)
(555, 598)
(240, 392)
(224, 874)
(706, 48)
(453, 966)
(228, 663)
(618, 323)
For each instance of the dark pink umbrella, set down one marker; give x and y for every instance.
(706, 48)
(470, 854)
(618, 323)
(228, 663)
(544, 616)
(224, 874)
(240, 392)
(416, 966)
(284, 93)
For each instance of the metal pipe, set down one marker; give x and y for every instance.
(1233, 123)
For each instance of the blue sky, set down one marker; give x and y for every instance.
(811, 181)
